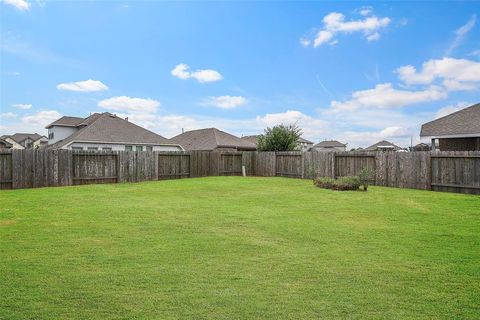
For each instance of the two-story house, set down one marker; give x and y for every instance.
(25, 140)
(107, 132)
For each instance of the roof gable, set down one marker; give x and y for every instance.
(462, 122)
(210, 139)
(330, 143)
(66, 122)
(20, 137)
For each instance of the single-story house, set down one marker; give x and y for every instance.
(302, 144)
(383, 145)
(422, 147)
(26, 140)
(212, 139)
(5, 144)
(329, 145)
(107, 132)
(458, 131)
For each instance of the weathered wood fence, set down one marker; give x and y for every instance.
(440, 171)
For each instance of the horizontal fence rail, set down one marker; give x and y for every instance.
(439, 171)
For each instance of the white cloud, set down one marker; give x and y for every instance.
(385, 96)
(23, 106)
(335, 23)
(460, 33)
(8, 115)
(322, 37)
(373, 37)
(365, 11)
(124, 103)
(32, 123)
(83, 86)
(207, 75)
(457, 74)
(181, 71)
(41, 118)
(475, 53)
(226, 102)
(19, 4)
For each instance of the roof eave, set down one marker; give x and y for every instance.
(458, 135)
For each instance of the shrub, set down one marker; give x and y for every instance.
(366, 177)
(347, 183)
(341, 184)
(324, 182)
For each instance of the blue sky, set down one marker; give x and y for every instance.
(353, 71)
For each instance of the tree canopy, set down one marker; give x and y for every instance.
(279, 138)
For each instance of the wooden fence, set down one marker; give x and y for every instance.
(440, 171)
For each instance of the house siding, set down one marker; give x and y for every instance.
(60, 133)
(460, 144)
(15, 144)
(324, 149)
(119, 147)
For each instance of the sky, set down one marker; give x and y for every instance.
(357, 72)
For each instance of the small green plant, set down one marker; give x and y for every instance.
(312, 174)
(366, 177)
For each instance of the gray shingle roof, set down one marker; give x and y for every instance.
(210, 139)
(383, 144)
(66, 121)
(19, 137)
(252, 139)
(106, 127)
(462, 122)
(329, 143)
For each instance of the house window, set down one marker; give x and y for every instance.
(139, 148)
(77, 148)
(107, 149)
(92, 148)
(149, 148)
(50, 135)
(128, 148)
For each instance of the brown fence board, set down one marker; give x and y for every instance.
(5, 169)
(173, 165)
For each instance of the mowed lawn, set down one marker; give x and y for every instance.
(237, 248)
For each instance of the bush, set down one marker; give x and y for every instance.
(347, 183)
(324, 183)
(341, 184)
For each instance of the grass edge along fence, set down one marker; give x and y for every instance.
(439, 171)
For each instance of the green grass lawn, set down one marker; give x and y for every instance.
(237, 248)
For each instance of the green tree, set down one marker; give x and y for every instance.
(279, 138)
